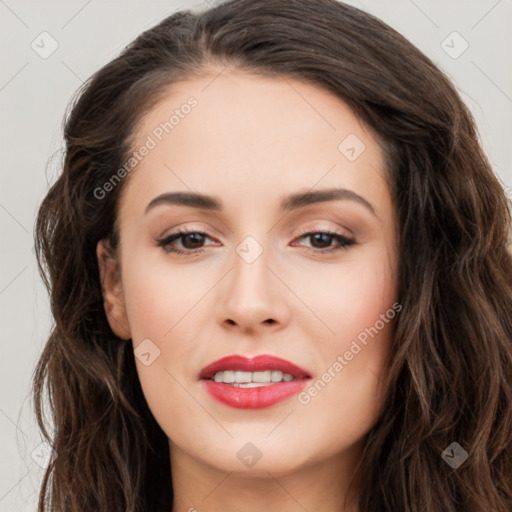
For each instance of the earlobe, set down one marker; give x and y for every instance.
(113, 299)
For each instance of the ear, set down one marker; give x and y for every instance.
(113, 299)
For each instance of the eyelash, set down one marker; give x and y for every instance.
(165, 242)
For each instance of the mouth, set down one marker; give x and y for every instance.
(252, 379)
(252, 383)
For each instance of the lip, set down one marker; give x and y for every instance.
(258, 397)
(253, 364)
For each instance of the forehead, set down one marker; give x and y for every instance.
(244, 136)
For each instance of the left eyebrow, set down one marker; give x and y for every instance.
(291, 202)
(186, 199)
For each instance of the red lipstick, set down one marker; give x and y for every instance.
(246, 391)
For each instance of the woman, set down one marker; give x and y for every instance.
(278, 266)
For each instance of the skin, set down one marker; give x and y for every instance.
(250, 142)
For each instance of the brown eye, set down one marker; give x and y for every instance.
(321, 241)
(191, 241)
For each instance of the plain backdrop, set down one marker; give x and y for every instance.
(35, 89)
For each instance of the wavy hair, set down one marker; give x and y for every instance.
(450, 373)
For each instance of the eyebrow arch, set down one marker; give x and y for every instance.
(299, 200)
(289, 203)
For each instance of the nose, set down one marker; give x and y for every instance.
(252, 298)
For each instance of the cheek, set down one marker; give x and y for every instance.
(350, 296)
(163, 305)
(158, 294)
(357, 306)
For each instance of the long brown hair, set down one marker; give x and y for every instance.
(450, 376)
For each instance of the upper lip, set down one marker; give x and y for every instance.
(253, 364)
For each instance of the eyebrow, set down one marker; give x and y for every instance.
(291, 202)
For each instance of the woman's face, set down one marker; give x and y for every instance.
(257, 284)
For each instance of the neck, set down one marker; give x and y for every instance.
(200, 487)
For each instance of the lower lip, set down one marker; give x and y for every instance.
(253, 398)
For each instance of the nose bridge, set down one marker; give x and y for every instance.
(250, 274)
(250, 295)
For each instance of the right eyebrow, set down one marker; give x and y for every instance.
(299, 200)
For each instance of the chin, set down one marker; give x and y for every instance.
(259, 457)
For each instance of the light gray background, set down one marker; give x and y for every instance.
(33, 96)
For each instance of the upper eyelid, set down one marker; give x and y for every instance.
(180, 233)
(303, 231)
(177, 237)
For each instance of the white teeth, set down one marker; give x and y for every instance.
(252, 379)
(242, 376)
(229, 376)
(277, 376)
(248, 384)
(262, 376)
